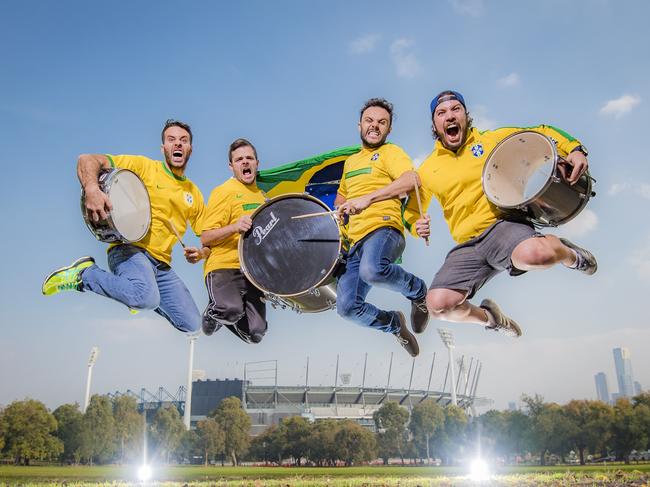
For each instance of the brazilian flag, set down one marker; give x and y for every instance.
(318, 176)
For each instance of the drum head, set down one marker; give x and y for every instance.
(286, 256)
(131, 213)
(518, 169)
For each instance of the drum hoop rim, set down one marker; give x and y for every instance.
(542, 190)
(240, 245)
(112, 176)
(112, 172)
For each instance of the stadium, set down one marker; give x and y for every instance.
(267, 403)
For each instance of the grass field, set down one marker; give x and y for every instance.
(409, 476)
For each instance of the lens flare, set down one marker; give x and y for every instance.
(479, 470)
(144, 473)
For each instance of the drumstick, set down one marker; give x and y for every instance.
(417, 196)
(171, 224)
(308, 215)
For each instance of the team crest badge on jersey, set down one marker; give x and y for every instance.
(188, 198)
(375, 156)
(477, 150)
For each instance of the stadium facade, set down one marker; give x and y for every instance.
(268, 404)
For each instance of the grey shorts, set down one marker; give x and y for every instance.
(470, 265)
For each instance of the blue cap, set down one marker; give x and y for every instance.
(446, 96)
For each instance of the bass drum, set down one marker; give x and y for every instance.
(293, 260)
(523, 176)
(130, 218)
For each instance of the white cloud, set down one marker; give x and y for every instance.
(620, 106)
(640, 260)
(406, 63)
(509, 81)
(481, 119)
(364, 44)
(581, 225)
(473, 8)
(638, 189)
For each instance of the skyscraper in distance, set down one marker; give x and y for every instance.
(602, 391)
(623, 365)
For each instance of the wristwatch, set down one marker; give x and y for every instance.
(581, 148)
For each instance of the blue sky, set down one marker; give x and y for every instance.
(291, 76)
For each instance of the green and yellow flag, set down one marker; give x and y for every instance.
(318, 176)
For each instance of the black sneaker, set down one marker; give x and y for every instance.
(209, 325)
(498, 321)
(586, 260)
(405, 338)
(419, 315)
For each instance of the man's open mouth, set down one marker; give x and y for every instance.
(452, 130)
(177, 154)
(246, 171)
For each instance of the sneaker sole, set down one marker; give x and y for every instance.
(77, 262)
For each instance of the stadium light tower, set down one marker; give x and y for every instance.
(448, 340)
(94, 353)
(188, 390)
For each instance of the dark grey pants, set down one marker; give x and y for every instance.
(236, 304)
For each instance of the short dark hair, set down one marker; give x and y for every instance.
(240, 143)
(175, 123)
(378, 102)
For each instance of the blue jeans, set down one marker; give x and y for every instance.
(142, 282)
(371, 263)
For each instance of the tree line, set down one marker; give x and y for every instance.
(113, 431)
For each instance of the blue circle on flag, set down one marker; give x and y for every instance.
(477, 150)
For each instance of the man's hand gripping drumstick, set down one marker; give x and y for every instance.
(192, 254)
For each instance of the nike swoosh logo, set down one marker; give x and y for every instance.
(159, 186)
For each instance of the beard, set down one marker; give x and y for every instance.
(376, 145)
(170, 162)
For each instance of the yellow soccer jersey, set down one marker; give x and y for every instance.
(455, 180)
(369, 170)
(172, 199)
(226, 205)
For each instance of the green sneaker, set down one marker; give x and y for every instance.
(67, 278)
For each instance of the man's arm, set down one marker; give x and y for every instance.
(215, 235)
(402, 185)
(96, 201)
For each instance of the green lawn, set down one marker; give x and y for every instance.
(196, 476)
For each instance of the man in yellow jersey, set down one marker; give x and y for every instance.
(372, 181)
(488, 242)
(234, 301)
(141, 276)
